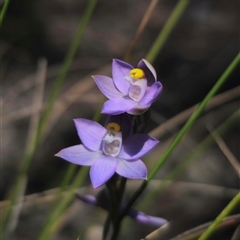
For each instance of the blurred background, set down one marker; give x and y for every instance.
(36, 36)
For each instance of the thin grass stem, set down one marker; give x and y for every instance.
(19, 189)
(43, 121)
(184, 130)
(167, 29)
(183, 164)
(62, 206)
(66, 65)
(225, 212)
(4, 10)
(141, 27)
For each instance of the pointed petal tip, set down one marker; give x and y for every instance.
(115, 60)
(102, 170)
(94, 186)
(75, 120)
(97, 185)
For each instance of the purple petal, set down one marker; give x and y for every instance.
(91, 133)
(107, 87)
(120, 70)
(151, 94)
(118, 106)
(79, 155)
(146, 219)
(149, 71)
(87, 199)
(102, 170)
(131, 169)
(136, 146)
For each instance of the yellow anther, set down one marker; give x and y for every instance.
(137, 73)
(113, 127)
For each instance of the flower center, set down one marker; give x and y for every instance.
(112, 141)
(113, 127)
(137, 90)
(137, 73)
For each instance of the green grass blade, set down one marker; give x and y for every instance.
(62, 205)
(43, 121)
(19, 188)
(66, 64)
(4, 10)
(225, 212)
(167, 29)
(184, 130)
(183, 164)
(195, 115)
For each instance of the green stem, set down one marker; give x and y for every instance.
(226, 211)
(113, 208)
(121, 189)
(182, 165)
(106, 226)
(58, 198)
(111, 187)
(117, 220)
(43, 121)
(196, 114)
(184, 130)
(66, 64)
(4, 10)
(116, 230)
(167, 29)
(55, 214)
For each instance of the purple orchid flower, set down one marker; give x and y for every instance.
(138, 216)
(109, 150)
(131, 90)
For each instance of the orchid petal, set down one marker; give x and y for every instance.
(118, 106)
(120, 70)
(151, 94)
(107, 87)
(79, 155)
(150, 73)
(136, 146)
(132, 169)
(102, 170)
(146, 219)
(91, 133)
(88, 199)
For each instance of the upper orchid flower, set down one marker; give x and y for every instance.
(107, 150)
(131, 90)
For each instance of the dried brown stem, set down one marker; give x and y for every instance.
(224, 148)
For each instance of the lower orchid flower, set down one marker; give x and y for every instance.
(108, 150)
(130, 90)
